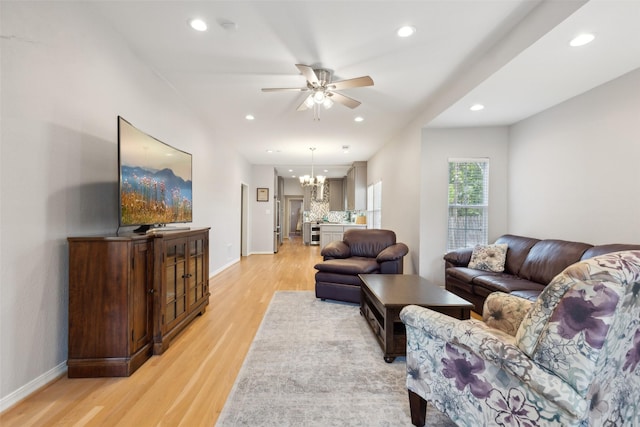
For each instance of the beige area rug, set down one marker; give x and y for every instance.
(317, 363)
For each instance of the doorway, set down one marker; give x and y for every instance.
(244, 219)
(293, 216)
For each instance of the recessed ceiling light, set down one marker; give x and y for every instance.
(581, 40)
(406, 31)
(358, 119)
(198, 24)
(290, 170)
(249, 117)
(477, 107)
(269, 151)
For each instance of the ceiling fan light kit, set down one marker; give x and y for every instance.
(318, 97)
(323, 90)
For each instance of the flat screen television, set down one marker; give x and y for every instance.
(154, 180)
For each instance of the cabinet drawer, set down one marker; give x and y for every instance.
(376, 326)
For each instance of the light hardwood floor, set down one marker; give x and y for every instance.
(187, 385)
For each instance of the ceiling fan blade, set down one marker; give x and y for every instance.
(344, 100)
(308, 74)
(349, 83)
(303, 106)
(284, 89)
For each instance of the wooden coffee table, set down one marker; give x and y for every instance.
(384, 295)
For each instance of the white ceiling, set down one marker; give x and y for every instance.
(511, 55)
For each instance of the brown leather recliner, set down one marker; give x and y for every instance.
(368, 251)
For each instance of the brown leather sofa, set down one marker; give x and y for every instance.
(367, 251)
(529, 266)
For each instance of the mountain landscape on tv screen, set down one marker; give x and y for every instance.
(154, 197)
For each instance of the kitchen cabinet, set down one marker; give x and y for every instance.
(306, 233)
(336, 194)
(335, 232)
(356, 184)
(330, 233)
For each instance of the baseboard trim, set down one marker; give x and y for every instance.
(224, 267)
(32, 386)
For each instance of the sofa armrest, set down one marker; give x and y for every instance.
(458, 258)
(428, 330)
(505, 312)
(335, 249)
(392, 253)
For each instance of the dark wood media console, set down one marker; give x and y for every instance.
(130, 295)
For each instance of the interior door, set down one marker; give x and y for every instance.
(295, 217)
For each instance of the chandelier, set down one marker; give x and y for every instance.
(311, 180)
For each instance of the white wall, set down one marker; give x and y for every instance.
(414, 174)
(438, 146)
(570, 172)
(262, 213)
(397, 165)
(292, 187)
(574, 170)
(65, 77)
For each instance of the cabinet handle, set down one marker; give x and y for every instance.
(150, 291)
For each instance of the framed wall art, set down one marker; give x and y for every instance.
(263, 195)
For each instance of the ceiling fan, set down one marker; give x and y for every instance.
(323, 90)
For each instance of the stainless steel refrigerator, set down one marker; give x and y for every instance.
(277, 238)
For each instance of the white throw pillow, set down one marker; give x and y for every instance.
(489, 257)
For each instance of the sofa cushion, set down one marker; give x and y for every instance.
(343, 279)
(530, 294)
(464, 274)
(605, 249)
(489, 257)
(505, 283)
(368, 243)
(548, 258)
(519, 248)
(353, 265)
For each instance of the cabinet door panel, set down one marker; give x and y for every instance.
(180, 306)
(175, 280)
(180, 275)
(171, 279)
(142, 309)
(196, 279)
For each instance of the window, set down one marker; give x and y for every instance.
(374, 205)
(468, 202)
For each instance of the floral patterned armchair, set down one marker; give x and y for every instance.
(571, 358)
